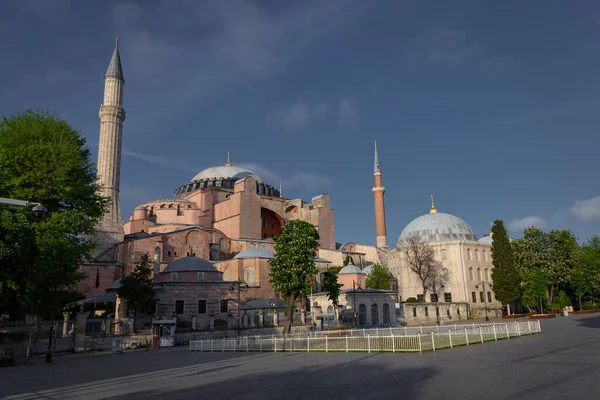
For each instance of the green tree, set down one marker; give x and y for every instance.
(585, 277)
(535, 287)
(505, 274)
(137, 288)
(332, 287)
(293, 264)
(44, 159)
(379, 278)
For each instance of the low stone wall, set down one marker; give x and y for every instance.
(425, 313)
(184, 337)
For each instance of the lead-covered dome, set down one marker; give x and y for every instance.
(225, 172)
(188, 264)
(438, 227)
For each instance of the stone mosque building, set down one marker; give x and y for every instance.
(229, 217)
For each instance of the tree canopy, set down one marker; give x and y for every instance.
(505, 274)
(332, 287)
(137, 287)
(420, 258)
(45, 160)
(379, 278)
(294, 264)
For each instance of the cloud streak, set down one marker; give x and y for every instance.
(298, 116)
(587, 210)
(519, 225)
(170, 162)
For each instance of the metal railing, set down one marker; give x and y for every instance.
(447, 337)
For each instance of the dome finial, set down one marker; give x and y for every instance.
(433, 210)
(228, 160)
(491, 228)
(116, 41)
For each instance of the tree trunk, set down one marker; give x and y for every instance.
(580, 306)
(551, 294)
(289, 318)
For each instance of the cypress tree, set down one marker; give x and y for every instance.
(505, 274)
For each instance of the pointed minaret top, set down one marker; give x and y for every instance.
(433, 210)
(377, 169)
(114, 68)
(280, 189)
(491, 227)
(228, 160)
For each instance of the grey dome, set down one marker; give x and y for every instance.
(255, 252)
(368, 269)
(350, 269)
(225, 172)
(486, 239)
(438, 227)
(190, 263)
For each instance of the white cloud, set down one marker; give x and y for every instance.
(519, 225)
(265, 174)
(297, 180)
(347, 112)
(298, 116)
(170, 162)
(587, 210)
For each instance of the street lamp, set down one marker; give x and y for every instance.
(437, 300)
(241, 285)
(37, 209)
(483, 284)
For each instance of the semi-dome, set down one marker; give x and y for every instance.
(350, 269)
(486, 239)
(190, 263)
(438, 227)
(368, 269)
(255, 252)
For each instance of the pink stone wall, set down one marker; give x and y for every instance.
(191, 293)
(108, 274)
(347, 279)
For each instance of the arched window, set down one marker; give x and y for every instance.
(444, 255)
(478, 274)
(386, 313)
(487, 275)
(484, 254)
(249, 275)
(362, 315)
(226, 275)
(469, 256)
(477, 254)
(471, 273)
(374, 315)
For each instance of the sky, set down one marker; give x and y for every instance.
(491, 106)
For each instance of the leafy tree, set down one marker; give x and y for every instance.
(420, 258)
(44, 159)
(379, 278)
(585, 277)
(535, 287)
(293, 264)
(137, 288)
(335, 270)
(505, 274)
(332, 287)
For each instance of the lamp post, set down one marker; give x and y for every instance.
(437, 300)
(241, 285)
(483, 284)
(354, 302)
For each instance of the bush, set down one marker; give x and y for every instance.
(411, 300)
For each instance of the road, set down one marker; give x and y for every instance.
(561, 363)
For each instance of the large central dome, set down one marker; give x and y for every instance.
(438, 227)
(225, 172)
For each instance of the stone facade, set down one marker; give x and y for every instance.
(425, 313)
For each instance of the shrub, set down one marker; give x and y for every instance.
(411, 300)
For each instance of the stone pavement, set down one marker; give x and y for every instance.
(561, 363)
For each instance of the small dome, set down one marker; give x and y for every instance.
(350, 269)
(140, 208)
(115, 286)
(438, 227)
(486, 239)
(189, 263)
(225, 172)
(255, 252)
(368, 269)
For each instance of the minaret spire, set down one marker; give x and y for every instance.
(378, 194)
(112, 115)
(377, 169)
(228, 164)
(433, 210)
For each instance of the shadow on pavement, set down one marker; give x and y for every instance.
(590, 322)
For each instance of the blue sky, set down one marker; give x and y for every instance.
(492, 106)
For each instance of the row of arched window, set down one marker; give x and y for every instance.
(479, 277)
(477, 256)
(362, 314)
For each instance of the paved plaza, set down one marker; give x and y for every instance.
(561, 363)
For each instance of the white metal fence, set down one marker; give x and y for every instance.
(427, 339)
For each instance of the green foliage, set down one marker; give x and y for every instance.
(335, 270)
(554, 253)
(411, 300)
(294, 263)
(136, 288)
(332, 287)
(379, 278)
(505, 274)
(535, 286)
(43, 159)
(585, 277)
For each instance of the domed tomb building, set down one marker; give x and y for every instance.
(465, 260)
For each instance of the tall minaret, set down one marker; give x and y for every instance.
(378, 192)
(112, 115)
